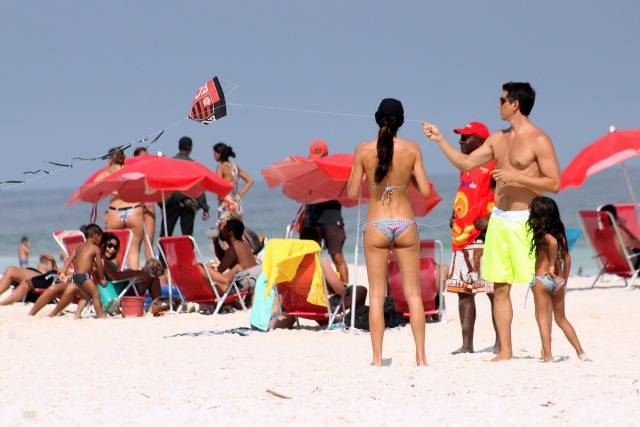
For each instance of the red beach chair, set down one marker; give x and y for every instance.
(293, 296)
(607, 245)
(68, 240)
(430, 281)
(182, 255)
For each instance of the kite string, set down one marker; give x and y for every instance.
(308, 111)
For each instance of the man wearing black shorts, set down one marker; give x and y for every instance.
(326, 218)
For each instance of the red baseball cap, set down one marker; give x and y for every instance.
(318, 148)
(474, 128)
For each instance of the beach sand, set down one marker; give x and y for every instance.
(172, 369)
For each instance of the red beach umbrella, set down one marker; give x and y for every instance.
(317, 180)
(151, 179)
(612, 149)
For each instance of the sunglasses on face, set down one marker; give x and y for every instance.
(112, 246)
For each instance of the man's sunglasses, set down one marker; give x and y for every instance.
(503, 100)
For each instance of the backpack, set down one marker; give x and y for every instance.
(391, 317)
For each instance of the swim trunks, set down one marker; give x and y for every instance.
(507, 256)
(464, 271)
(80, 278)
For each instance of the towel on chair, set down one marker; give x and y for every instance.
(280, 264)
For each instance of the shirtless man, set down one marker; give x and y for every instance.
(526, 166)
(85, 258)
(239, 254)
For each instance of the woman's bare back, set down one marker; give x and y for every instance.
(389, 197)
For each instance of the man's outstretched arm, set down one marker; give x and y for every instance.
(464, 162)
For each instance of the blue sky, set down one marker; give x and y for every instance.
(79, 77)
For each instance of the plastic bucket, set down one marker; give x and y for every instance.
(132, 306)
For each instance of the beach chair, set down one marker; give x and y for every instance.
(182, 256)
(125, 236)
(299, 260)
(629, 213)
(431, 282)
(68, 240)
(605, 241)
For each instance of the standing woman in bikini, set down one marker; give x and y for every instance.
(121, 214)
(391, 164)
(230, 205)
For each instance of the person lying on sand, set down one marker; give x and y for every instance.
(26, 279)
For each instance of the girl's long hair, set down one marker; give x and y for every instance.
(224, 150)
(388, 129)
(544, 218)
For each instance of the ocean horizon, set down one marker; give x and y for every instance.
(36, 213)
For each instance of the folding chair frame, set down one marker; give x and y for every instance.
(220, 299)
(598, 257)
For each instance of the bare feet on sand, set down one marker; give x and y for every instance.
(501, 357)
(463, 350)
(584, 357)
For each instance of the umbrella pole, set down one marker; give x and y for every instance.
(629, 186)
(166, 232)
(355, 264)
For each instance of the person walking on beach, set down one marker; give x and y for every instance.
(86, 258)
(526, 166)
(178, 205)
(553, 263)
(231, 205)
(471, 209)
(326, 218)
(24, 250)
(390, 165)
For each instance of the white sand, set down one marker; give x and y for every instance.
(91, 372)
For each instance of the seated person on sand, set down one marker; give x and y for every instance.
(238, 257)
(26, 279)
(339, 293)
(146, 279)
(630, 240)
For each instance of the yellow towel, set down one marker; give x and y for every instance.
(280, 264)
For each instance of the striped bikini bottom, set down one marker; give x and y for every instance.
(392, 228)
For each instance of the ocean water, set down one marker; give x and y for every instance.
(36, 213)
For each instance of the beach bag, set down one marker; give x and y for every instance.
(361, 318)
(108, 298)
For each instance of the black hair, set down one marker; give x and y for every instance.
(107, 236)
(185, 144)
(611, 209)
(388, 130)
(138, 151)
(116, 155)
(544, 218)
(224, 150)
(236, 227)
(310, 233)
(91, 230)
(523, 93)
(390, 116)
(24, 239)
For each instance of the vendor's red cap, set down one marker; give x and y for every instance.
(318, 148)
(474, 128)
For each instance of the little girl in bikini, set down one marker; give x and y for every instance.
(553, 263)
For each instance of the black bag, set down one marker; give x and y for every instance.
(391, 317)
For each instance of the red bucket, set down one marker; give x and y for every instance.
(132, 306)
